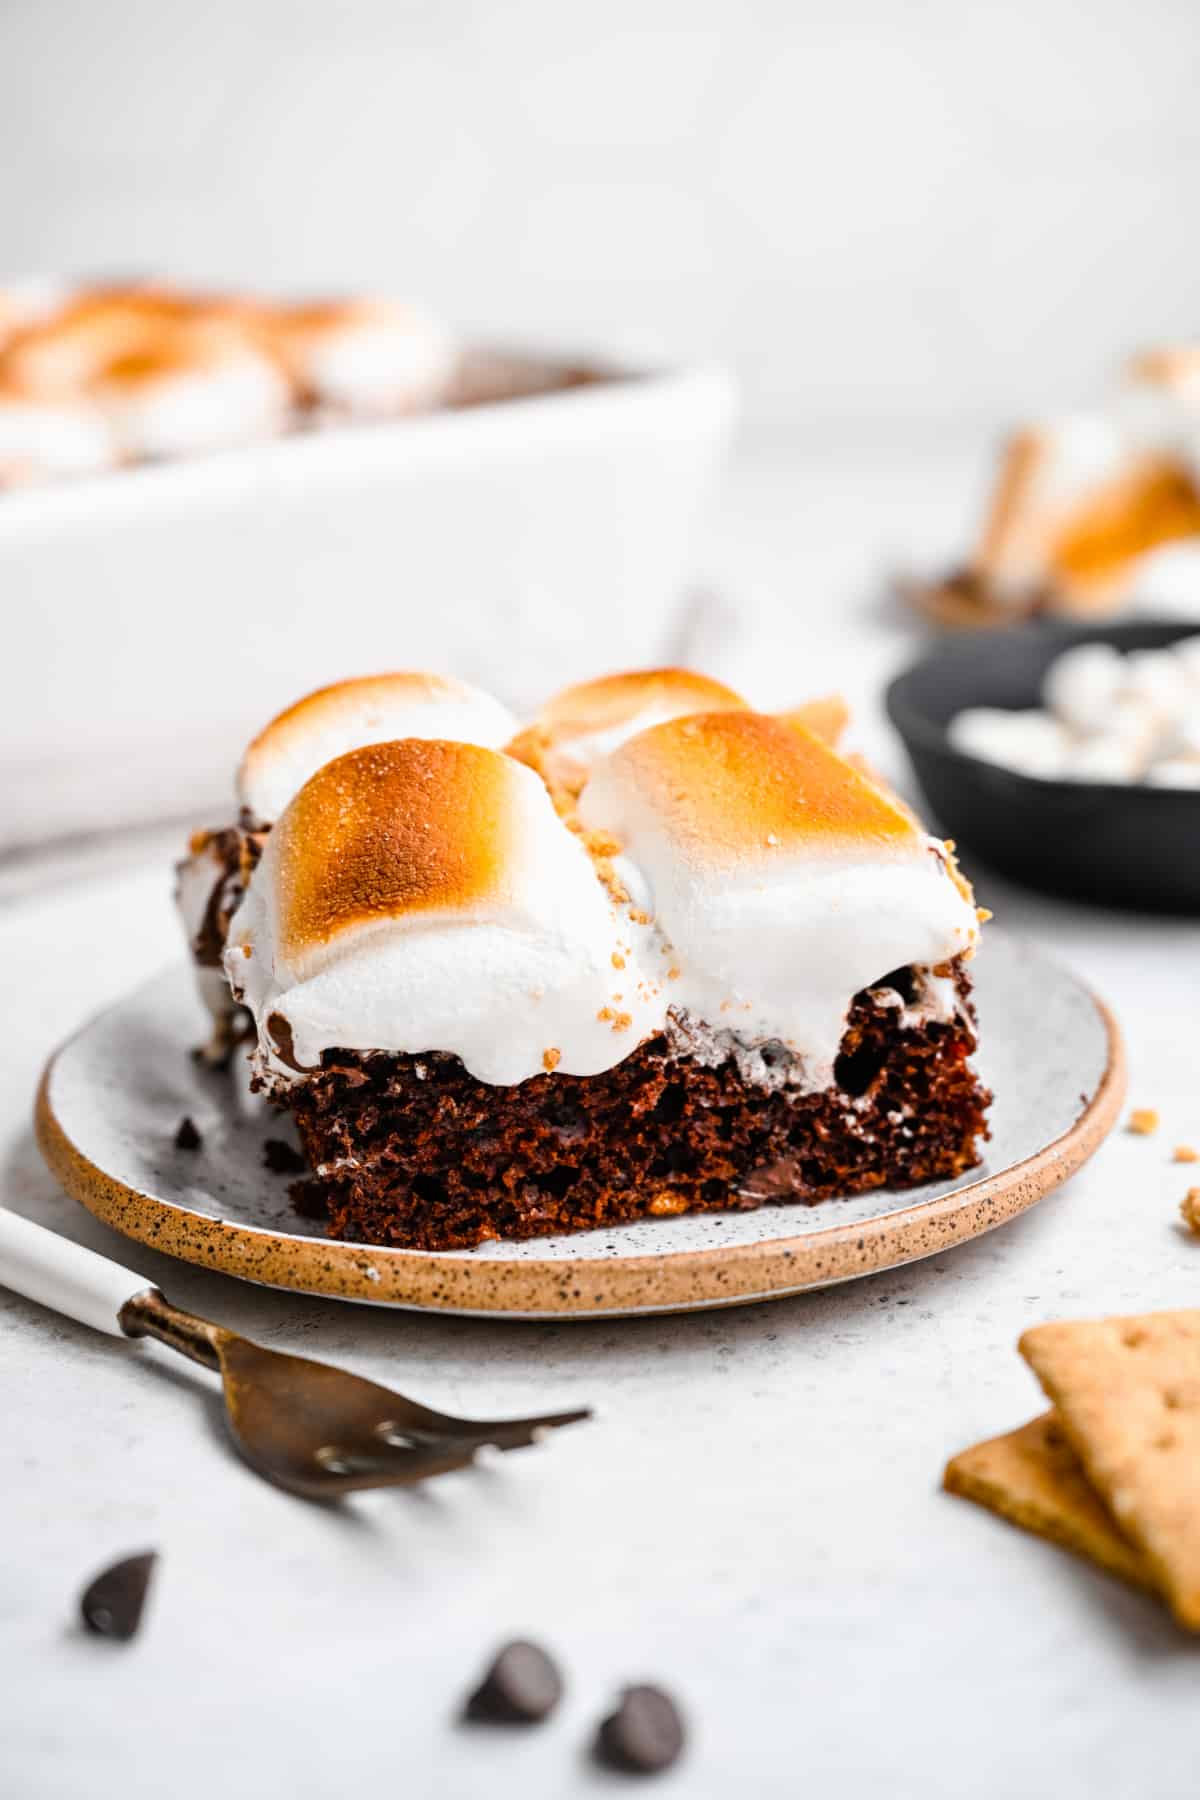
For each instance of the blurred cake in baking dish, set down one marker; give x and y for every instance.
(1093, 512)
(655, 952)
(97, 376)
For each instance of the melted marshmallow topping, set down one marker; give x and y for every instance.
(425, 895)
(371, 709)
(783, 879)
(739, 875)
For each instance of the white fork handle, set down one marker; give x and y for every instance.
(55, 1272)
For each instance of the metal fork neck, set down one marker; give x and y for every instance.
(151, 1314)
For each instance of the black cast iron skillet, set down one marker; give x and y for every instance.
(1127, 846)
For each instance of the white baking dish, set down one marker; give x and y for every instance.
(156, 616)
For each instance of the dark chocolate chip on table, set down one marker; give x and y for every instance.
(112, 1603)
(522, 1686)
(188, 1137)
(645, 1733)
(282, 1159)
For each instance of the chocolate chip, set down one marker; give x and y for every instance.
(644, 1734)
(187, 1137)
(522, 1686)
(282, 1159)
(112, 1604)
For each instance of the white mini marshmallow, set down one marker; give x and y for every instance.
(1176, 772)
(1082, 684)
(1031, 742)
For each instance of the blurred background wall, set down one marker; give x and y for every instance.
(894, 219)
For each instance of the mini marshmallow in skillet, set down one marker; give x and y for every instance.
(1108, 718)
(1176, 772)
(1031, 742)
(1102, 759)
(1082, 684)
(1154, 677)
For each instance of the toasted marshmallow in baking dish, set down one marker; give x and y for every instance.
(781, 878)
(349, 715)
(61, 354)
(363, 356)
(425, 895)
(44, 441)
(194, 389)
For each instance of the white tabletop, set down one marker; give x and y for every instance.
(754, 1518)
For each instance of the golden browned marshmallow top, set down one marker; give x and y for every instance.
(737, 785)
(395, 828)
(367, 709)
(582, 724)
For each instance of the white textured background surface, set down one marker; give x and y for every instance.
(887, 216)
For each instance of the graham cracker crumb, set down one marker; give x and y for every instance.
(551, 1059)
(618, 961)
(1190, 1209)
(605, 1013)
(1143, 1121)
(673, 974)
(622, 1021)
(666, 1205)
(638, 916)
(1185, 1153)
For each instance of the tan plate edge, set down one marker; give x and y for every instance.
(680, 1281)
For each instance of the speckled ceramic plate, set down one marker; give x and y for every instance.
(112, 1097)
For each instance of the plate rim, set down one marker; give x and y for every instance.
(528, 1289)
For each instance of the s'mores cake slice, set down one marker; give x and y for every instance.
(711, 965)
(1095, 509)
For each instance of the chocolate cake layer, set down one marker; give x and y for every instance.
(414, 1151)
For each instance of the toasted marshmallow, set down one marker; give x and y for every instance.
(59, 356)
(1166, 581)
(424, 895)
(363, 356)
(1048, 474)
(780, 879)
(349, 715)
(41, 441)
(583, 724)
(827, 716)
(194, 389)
(1082, 503)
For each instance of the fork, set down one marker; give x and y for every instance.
(311, 1429)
